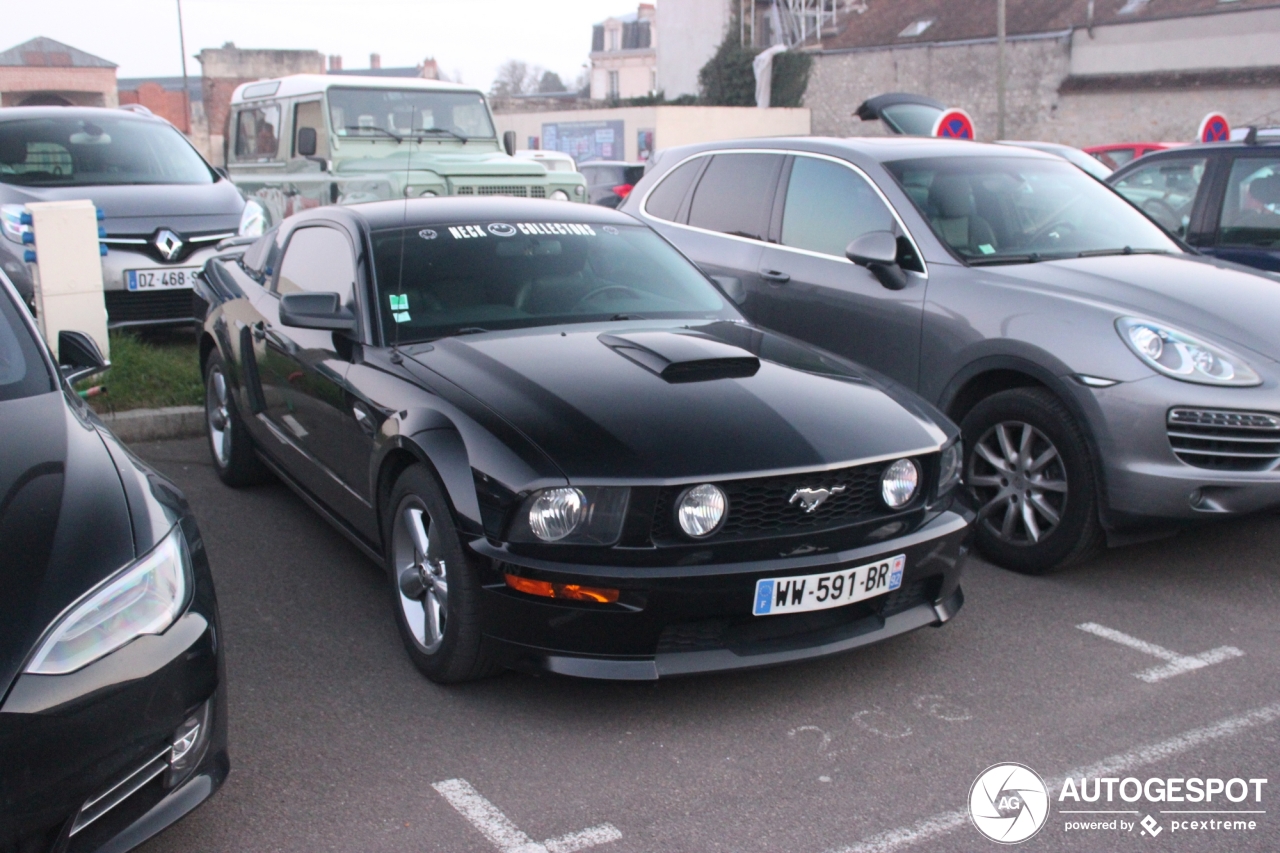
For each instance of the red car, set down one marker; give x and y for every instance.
(1119, 153)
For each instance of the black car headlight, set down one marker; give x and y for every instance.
(899, 483)
(145, 597)
(950, 466)
(572, 515)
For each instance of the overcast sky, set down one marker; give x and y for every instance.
(472, 37)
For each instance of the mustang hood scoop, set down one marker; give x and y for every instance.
(683, 357)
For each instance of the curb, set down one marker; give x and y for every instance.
(156, 424)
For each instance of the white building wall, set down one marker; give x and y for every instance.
(1238, 39)
(691, 32)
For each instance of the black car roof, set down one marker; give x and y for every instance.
(442, 211)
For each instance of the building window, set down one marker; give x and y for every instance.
(614, 35)
(613, 84)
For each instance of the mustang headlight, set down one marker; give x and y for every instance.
(1180, 356)
(701, 509)
(590, 515)
(899, 482)
(253, 219)
(950, 466)
(145, 598)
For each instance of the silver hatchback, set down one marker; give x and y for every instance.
(1109, 384)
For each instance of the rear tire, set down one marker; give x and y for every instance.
(434, 588)
(1028, 466)
(229, 443)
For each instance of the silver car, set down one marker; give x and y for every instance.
(1109, 383)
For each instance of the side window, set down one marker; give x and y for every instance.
(828, 205)
(258, 133)
(664, 201)
(309, 114)
(1166, 190)
(1251, 206)
(735, 194)
(318, 260)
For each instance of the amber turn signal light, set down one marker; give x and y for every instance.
(570, 591)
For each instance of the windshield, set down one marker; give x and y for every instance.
(75, 152)
(22, 370)
(408, 112)
(1010, 209)
(469, 277)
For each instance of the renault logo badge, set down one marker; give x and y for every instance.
(811, 499)
(167, 243)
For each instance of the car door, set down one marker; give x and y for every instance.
(304, 372)
(1166, 189)
(811, 291)
(1246, 218)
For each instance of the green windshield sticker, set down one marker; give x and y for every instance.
(401, 316)
(399, 301)
(987, 249)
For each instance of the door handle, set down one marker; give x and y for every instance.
(775, 276)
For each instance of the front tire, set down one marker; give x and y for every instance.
(434, 588)
(1029, 468)
(229, 443)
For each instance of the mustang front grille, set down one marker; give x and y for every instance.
(764, 507)
(1225, 440)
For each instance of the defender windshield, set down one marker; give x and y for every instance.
(408, 112)
(1016, 210)
(485, 276)
(77, 152)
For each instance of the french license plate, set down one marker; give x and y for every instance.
(161, 279)
(829, 589)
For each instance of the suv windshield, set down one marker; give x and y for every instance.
(469, 277)
(408, 112)
(73, 152)
(1010, 209)
(22, 369)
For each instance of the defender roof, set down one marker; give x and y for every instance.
(315, 84)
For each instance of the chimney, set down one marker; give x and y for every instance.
(375, 60)
(335, 62)
(430, 69)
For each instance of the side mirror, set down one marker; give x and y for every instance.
(316, 311)
(79, 356)
(509, 143)
(306, 142)
(878, 252)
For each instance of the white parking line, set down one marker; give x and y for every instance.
(508, 837)
(941, 824)
(1177, 664)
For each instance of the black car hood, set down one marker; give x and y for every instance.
(65, 523)
(141, 208)
(643, 402)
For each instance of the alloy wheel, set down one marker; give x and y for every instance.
(421, 574)
(218, 413)
(1020, 481)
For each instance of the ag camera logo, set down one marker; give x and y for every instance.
(1009, 803)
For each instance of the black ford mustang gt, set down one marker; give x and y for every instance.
(568, 448)
(112, 716)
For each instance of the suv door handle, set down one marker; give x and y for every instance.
(775, 277)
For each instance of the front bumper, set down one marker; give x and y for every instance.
(682, 620)
(1144, 481)
(153, 308)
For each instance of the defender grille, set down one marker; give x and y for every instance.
(1225, 440)
(761, 508)
(126, 308)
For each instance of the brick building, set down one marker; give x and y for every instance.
(47, 72)
(164, 97)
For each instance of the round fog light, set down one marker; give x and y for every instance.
(560, 195)
(899, 482)
(428, 194)
(701, 509)
(556, 513)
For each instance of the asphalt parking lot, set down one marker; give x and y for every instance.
(1160, 659)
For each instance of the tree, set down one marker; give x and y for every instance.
(512, 79)
(727, 79)
(550, 82)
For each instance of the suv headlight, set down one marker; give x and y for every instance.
(15, 220)
(253, 219)
(1180, 356)
(145, 598)
(566, 515)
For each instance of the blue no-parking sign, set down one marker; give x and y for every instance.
(954, 123)
(1214, 128)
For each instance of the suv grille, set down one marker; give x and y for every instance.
(761, 507)
(163, 306)
(1227, 441)
(517, 191)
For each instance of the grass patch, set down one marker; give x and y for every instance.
(150, 370)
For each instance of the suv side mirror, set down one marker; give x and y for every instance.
(509, 143)
(878, 252)
(306, 142)
(316, 311)
(79, 356)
